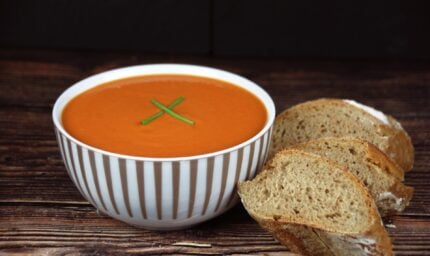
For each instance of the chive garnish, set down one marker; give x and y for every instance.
(171, 112)
(161, 112)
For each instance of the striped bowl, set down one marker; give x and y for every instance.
(162, 193)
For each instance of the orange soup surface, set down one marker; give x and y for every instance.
(108, 116)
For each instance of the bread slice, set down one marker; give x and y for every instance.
(379, 173)
(340, 118)
(315, 207)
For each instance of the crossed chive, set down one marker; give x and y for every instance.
(168, 110)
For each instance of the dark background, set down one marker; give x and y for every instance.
(326, 29)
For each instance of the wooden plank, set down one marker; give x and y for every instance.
(79, 226)
(31, 226)
(383, 85)
(34, 219)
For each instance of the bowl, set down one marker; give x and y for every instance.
(162, 193)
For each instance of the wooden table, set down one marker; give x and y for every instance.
(41, 211)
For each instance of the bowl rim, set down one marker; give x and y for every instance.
(265, 98)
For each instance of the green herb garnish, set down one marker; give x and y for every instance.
(160, 113)
(171, 112)
(168, 110)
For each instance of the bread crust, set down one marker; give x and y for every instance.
(298, 238)
(386, 163)
(399, 194)
(314, 236)
(390, 138)
(308, 240)
(400, 145)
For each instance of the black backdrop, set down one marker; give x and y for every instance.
(334, 29)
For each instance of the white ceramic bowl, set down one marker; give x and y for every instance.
(162, 193)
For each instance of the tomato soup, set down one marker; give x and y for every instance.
(109, 116)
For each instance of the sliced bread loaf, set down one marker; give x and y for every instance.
(315, 207)
(340, 118)
(378, 173)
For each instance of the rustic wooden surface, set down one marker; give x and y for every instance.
(41, 212)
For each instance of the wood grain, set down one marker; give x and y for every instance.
(41, 212)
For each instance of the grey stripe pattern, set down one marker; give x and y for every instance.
(225, 165)
(176, 172)
(96, 179)
(124, 185)
(140, 185)
(106, 165)
(158, 188)
(63, 155)
(193, 181)
(236, 178)
(84, 174)
(251, 159)
(73, 169)
(259, 153)
(209, 180)
(145, 192)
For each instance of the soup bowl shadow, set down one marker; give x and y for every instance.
(162, 193)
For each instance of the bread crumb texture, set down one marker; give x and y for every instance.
(304, 188)
(374, 169)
